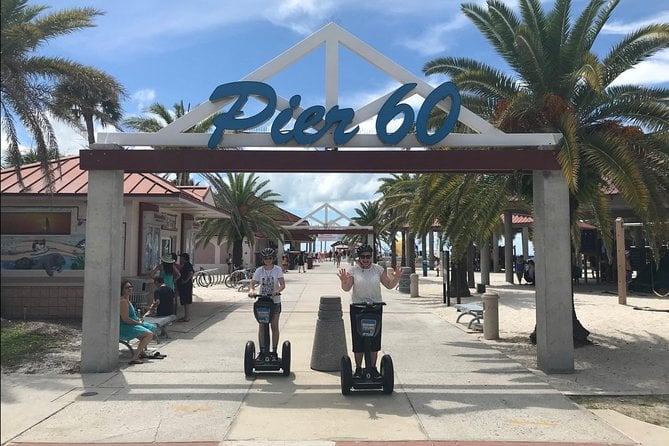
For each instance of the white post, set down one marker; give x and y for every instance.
(555, 344)
(508, 247)
(102, 273)
(620, 261)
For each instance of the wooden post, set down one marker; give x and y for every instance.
(620, 262)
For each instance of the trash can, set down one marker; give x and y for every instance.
(480, 288)
(424, 268)
(310, 262)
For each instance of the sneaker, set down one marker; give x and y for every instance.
(375, 373)
(358, 373)
(273, 356)
(260, 357)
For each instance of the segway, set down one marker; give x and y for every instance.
(368, 324)
(263, 310)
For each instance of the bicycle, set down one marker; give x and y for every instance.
(233, 279)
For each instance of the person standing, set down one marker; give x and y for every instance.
(520, 268)
(300, 262)
(167, 271)
(186, 286)
(269, 278)
(229, 262)
(365, 281)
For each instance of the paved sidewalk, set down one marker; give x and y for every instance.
(449, 387)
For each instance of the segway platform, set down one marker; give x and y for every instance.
(263, 310)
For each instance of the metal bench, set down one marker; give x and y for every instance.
(161, 333)
(473, 309)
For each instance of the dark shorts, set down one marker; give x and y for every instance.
(359, 341)
(186, 294)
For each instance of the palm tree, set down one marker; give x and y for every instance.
(159, 117)
(88, 95)
(613, 135)
(398, 193)
(251, 209)
(369, 214)
(27, 79)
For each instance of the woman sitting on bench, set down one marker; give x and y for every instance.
(132, 325)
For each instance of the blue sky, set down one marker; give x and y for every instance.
(171, 50)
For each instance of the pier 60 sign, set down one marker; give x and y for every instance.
(305, 131)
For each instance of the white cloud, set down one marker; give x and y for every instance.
(143, 98)
(434, 39)
(649, 72)
(617, 27)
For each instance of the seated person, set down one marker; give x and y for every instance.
(163, 299)
(132, 325)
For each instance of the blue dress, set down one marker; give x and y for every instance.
(131, 331)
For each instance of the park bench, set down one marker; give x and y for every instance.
(475, 310)
(162, 322)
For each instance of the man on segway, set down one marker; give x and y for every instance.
(269, 278)
(364, 280)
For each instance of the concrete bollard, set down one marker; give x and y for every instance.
(405, 280)
(330, 337)
(490, 315)
(413, 287)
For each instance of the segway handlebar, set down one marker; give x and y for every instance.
(368, 304)
(254, 295)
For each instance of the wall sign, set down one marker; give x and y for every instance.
(335, 119)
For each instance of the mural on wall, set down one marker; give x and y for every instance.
(52, 255)
(42, 239)
(152, 247)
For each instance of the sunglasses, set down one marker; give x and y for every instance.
(366, 257)
(128, 286)
(268, 258)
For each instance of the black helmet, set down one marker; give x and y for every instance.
(364, 248)
(268, 252)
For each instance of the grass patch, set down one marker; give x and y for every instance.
(20, 342)
(652, 409)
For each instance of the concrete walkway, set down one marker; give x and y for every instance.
(449, 387)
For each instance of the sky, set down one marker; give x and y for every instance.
(167, 51)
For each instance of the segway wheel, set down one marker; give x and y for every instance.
(388, 374)
(285, 358)
(346, 375)
(249, 358)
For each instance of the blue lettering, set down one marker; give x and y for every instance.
(305, 131)
(389, 110)
(231, 120)
(447, 89)
(282, 137)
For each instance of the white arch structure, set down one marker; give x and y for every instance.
(107, 161)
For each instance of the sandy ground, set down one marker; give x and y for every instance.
(630, 351)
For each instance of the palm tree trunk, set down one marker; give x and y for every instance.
(237, 252)
(90, 131)
(458, 284)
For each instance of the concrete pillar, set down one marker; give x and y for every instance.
(526, 242)
(329, 338)
(508, 247)
(555, 345)
(490, 316)
(102, 273)
(405, 280)
(413, 286)
(485, 262)
(430, 258)
(495, 252)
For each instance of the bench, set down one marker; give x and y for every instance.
(474, 309)
(161, 322)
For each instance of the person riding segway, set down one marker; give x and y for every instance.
(364, 280)
(267, 310)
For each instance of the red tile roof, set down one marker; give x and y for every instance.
(70, 179)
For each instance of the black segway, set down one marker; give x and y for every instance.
(263, 310)
(367, 324)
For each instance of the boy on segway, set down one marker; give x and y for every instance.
(364, 280)
(269, 278)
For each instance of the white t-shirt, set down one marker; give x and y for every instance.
(268, 281)
(366, 284)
